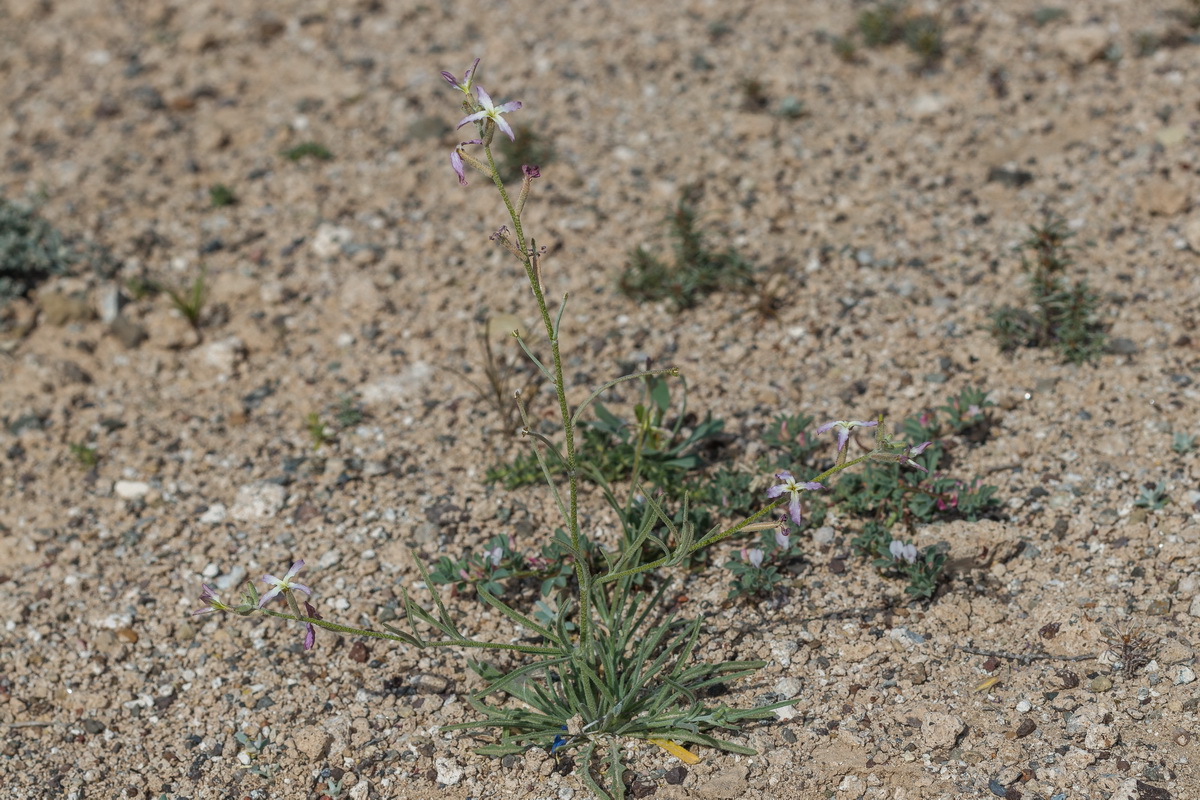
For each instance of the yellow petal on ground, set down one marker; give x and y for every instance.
(989, 683)
(679, 751)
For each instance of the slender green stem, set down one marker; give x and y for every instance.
(346, 629)
(582, 573)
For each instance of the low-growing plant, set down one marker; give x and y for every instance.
(85, 454)
(220, 195)
(189, 299)
(1060, 315)
(313, 150)
(31, 250)
(318, 431)
(922, 569)
(1153, 496)
(1183, 443)
(696, 271)
(603, 661)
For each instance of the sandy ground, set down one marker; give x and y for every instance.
(361, 281)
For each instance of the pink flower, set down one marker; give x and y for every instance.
(283, 584)
(793, 488)
(843, 428)
(492, 112)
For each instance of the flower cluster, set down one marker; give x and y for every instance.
(485, 113)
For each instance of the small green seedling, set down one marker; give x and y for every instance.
(85, 454)
(1153, 496)
(313, 150)
(220, 195)
(189, 300)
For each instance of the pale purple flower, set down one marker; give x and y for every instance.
(753, 556)
(793, 488)
(973, 410)
(465, 85)
(495, 555)
(492, 112)
(530, 171)
(456, 160)
(900, 550)
(283, 584)
(782, 541)
(906, 458)
(843, 428)
(211, 603)
(310, 635)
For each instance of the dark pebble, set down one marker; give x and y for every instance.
(996, 788)
(359, 653)
(1026, 727)
(93, 726)
(1013, 178)
(676, 775)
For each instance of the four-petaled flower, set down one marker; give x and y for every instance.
(843, 428)
(465, 85)
(211, 603)
(283, 584)
(900, 550)
(906, 458)
(492, 112)
(793, 488)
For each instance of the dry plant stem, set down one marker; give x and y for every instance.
(1023, 657)
(582, 574)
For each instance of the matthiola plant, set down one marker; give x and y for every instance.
(602, 662)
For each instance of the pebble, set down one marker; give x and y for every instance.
(360, 790)
(725, 785)
(1161, 197)
(258, 500)
(214, 514)
(131, 490)
(940, 730)
(1184, 675)
(329, 239)
(1024, 706)
(1082, 44)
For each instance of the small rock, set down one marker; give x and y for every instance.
(360, 790)
(128, 332)
(127, 635)
(940, 731)
(329, 239)
(61, 309)
(214, 514)
(823, 535)
(93, 726)
(1012, 178)
(1133, 789)
(1122, 346)
(427, 683)
(167, 328)
(1191, 232)
(1101, 683)
(131, 490)
(676, 775)
(1161, 196)
(1082, 44)
(1184, 675)
(258, 500)
(1100, 737)
(1026, 727)
(725, 785)
(928, 105)
(359, 653)
(312, 742)
(225, 354)
(108, 303)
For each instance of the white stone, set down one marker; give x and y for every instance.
(214, 514)
(258, 500)
(224, 354)
(329, 239)
(448, 772)
(1185, 675)
(131, 490)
